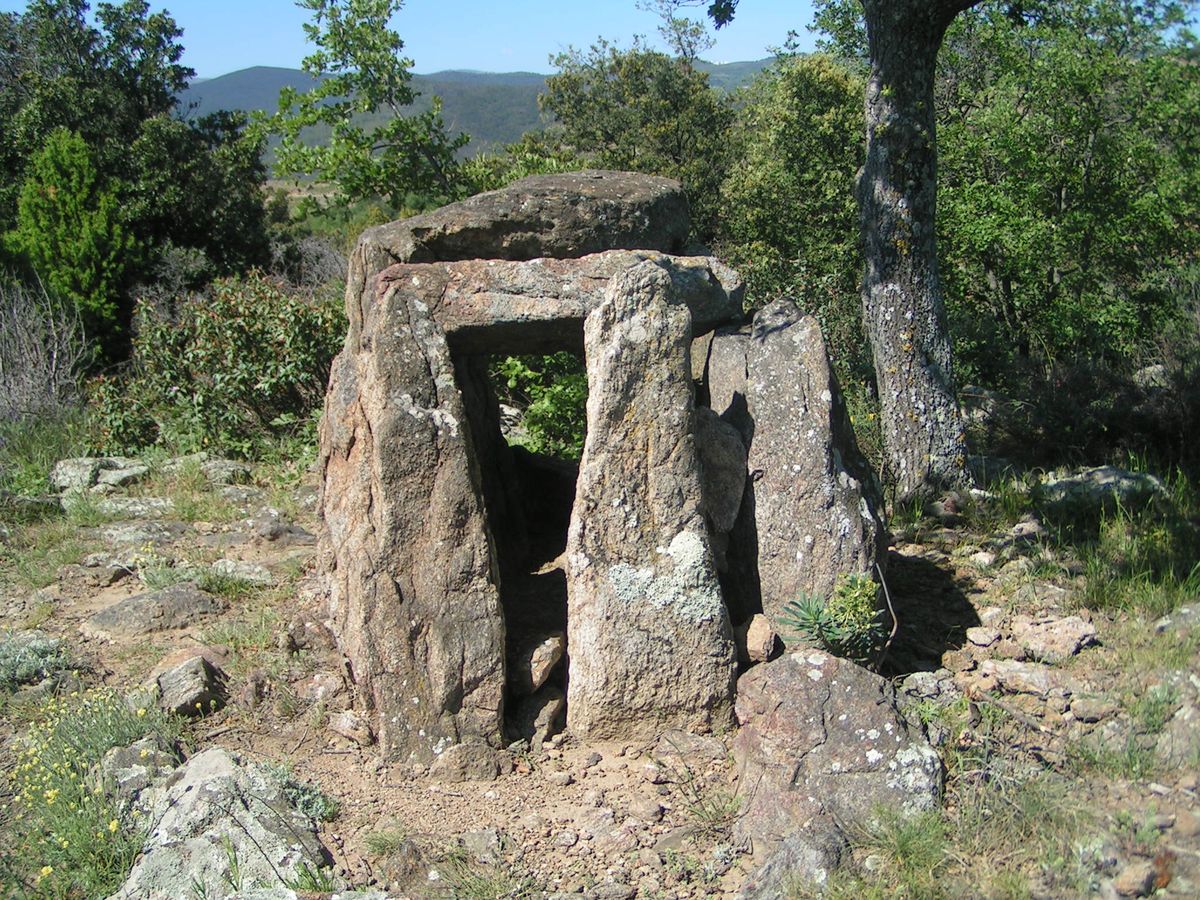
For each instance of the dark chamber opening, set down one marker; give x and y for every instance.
(529, 498)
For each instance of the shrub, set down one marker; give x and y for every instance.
(552, 390)
(42, 353)
(67, 836)
(30, 656)
(242, 365)
(70, 232)
(848, 624)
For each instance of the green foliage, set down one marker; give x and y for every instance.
(552, 390)
(173, 190)
(643, 111)
(308, 800)
(360, 70)
(31, 657)
(535, 154)
(242, 366)
(1069, 183)
(70, 231)
(67, 836)
(789, 220)
(849, 623)
(30, 446)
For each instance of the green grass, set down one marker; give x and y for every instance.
(29, 448)
(464, 879)
(66, 835)
(34, 554)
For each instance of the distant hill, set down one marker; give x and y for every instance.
(494, 108)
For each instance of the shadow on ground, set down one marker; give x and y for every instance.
(933, 611)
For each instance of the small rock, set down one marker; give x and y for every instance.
(1135, 880)
(354, 727)
(1020, 677)
(1053, 640)
(321, 686)
(74, 474)
(756, 640)
(193, 688)
(1092, 709)
(474, 761)
(240, 570)
(645, 809)
(529, 666)
(984, 559)
(560, 779)
(1183, 619)
(123, 476)
(566, 839)
(1187, 824)
(484, 846)
(593, 760)
(225, 471)
(981, 636)
(539, 716)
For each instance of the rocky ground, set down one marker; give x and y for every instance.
(1070, 738)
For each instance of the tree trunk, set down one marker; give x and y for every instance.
(902, 295)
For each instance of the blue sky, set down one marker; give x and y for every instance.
(222, 36)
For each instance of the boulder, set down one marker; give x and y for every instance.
(821, 741)
(538, 717)
(221, 823)
(1103, 487)
(812, 510)
(649, 639)
(176, 606)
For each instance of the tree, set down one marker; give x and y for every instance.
(69, 229)
(641, 110)
(359, 71)
(789, 221)
(179, 184)
(57, 71)
(1070, 181)
(903, 307)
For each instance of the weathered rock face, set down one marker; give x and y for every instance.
(216, 814)
(812, 506)
(413, 589)
(649, 639)
(533, 306)
(821, 741)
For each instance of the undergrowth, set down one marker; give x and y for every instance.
(66, 836)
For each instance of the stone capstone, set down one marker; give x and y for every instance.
(649, 639)
(562, 216)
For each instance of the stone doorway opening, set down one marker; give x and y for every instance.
(529, 495)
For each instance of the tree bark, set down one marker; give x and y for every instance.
(902, 295)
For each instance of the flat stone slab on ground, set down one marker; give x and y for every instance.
(176, 606)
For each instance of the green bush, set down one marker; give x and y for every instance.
(66, 835)
(70, 232)
(242, 366)
(552, 390)
(848, 624)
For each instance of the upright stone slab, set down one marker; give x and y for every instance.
(649, 640)
(413, 589)
(811, 510)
